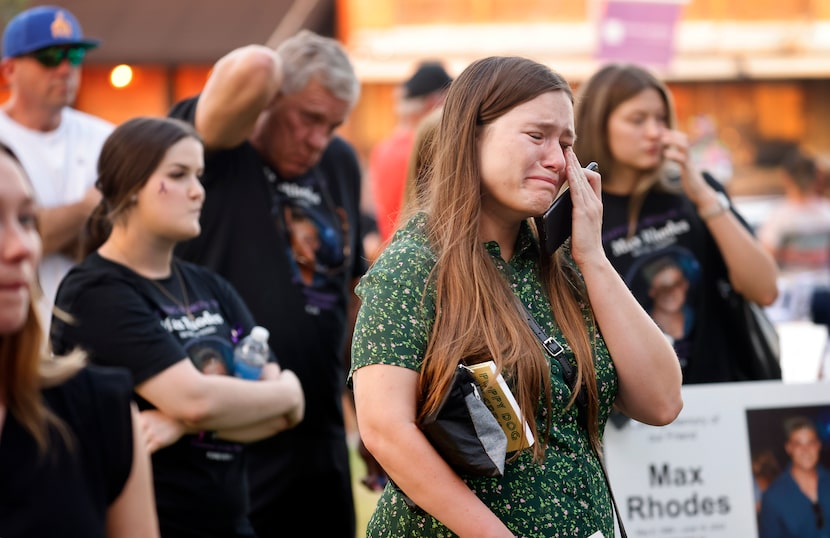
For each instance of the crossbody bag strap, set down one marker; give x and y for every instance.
(611, 494)
(555, 350)
(550, 344)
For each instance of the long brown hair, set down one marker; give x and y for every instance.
(26, 367)
(596, 100)
(476, 313)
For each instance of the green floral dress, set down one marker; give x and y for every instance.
(566, 496)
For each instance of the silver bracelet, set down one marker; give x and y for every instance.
(718, 208)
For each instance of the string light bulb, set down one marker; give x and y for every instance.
(121, 76)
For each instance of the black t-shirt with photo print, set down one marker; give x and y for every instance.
(672, 259)
(123, 319)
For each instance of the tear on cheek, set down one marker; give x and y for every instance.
(163, 188)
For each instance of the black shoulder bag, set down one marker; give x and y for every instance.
(753, 336)
(554, 349)
(759, 355)
(464, 431)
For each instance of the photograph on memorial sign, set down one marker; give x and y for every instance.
(790, 453)
(694, 479)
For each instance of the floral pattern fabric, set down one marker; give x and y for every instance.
(566, 496)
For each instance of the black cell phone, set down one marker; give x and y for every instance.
(557, 220)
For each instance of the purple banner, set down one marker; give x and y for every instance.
(638, 32)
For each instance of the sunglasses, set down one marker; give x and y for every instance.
(53, 56)
(819, 515)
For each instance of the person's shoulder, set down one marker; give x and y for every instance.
(6, 121)
(403, 267)
(205, 276)
(340, 147)
(15, 134)
(658, 200)
(780, 487)
(109, 378)
(86, 120)
(96, 383)
(96, 272)
(340, 160)
(409, 247)
(199, 273)
(97, 266)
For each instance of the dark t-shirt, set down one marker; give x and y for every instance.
(672, 264)
(67, 492)
(123, 319)
(254, 226)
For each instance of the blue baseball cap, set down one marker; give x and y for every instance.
(40, 27)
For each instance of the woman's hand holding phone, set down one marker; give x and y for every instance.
(557, 221)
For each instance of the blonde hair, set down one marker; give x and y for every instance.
(420, 165)
(477, 317)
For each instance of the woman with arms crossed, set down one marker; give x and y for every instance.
(503, 151)
(72, 459)
(133, 304)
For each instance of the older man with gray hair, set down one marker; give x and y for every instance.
(268, 120)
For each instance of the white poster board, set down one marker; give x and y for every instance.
(693, 478)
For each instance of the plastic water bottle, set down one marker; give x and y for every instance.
(251, 354)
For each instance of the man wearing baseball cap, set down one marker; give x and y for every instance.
(419, 95)
(43, 49)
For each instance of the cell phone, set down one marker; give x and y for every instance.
(557, 220)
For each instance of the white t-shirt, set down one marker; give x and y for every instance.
(62, 165)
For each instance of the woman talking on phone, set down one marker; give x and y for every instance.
(453, 287)
(658, 206)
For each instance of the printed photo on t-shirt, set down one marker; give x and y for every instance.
(666, 284)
